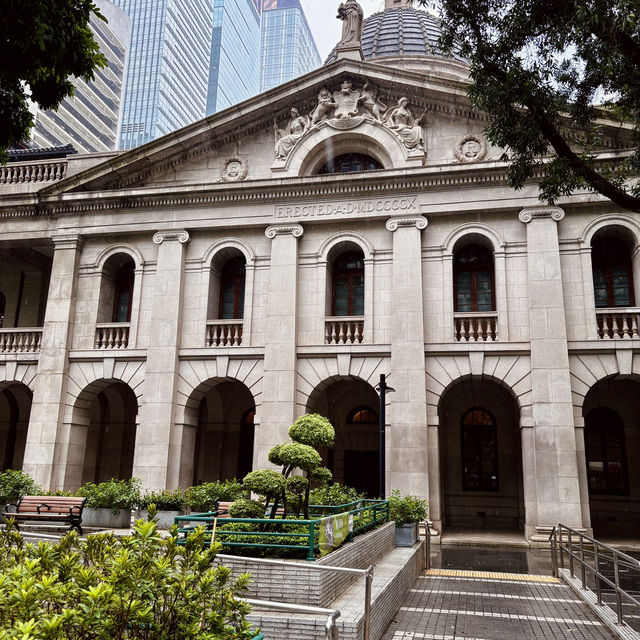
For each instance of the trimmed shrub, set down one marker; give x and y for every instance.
(335, 495)
(245, 508)
(313, 430)
(16, 484)
(164, 500)
(265, 482)
(203, 497)
(115, 494)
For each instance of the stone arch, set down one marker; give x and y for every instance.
(332, 245)
(602, 223)
(15, 409)
(226, 247)
(473, 233)
(114, 249)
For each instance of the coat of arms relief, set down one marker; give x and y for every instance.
(347, 108)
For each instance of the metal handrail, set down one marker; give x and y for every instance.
(368, 587)
(427, 546)
(331, 629)
(619, 559)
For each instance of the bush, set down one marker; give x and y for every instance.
(265, 482)
(115, 494)
(203, 497)
(313, 430)
(407, 509)
(164, 500)
(245, 508)
(139, 587)
(335, 495)
(16, 484)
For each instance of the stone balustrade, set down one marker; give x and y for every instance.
(20, 340)
(224, 333)
(344, 330)
(476, 327)
(617, 324)
(114, 335)
(14, 173)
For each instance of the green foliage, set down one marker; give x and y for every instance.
(203, 497)
(301, 456)
(313, 430)
(407, 509)
(141, 587)
(549, 74)
(245, 508)
(164, 500)
(265, 482)
(297, 487)
(114, 494)
(335, 495)
(322, 476)
(42, 45)
(16, 484)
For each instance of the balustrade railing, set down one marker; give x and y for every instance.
(224, 333)
(344, 330)
(112, 336)
(20, 340)
(617, 324)
(14, 173)
(476, 327)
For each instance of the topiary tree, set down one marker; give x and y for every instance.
(267, 483)
(296, 490)
(313, 430)
(245, 508)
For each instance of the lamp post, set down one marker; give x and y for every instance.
(383, 388)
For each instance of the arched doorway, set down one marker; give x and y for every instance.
(481, 457)
(15, 408)
(351, 406)
(611, 413)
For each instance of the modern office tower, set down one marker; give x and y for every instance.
(288, 47)
(166, 85)
(89, 120)
(235, 53)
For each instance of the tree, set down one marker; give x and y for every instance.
(43, 44)
(551, 74)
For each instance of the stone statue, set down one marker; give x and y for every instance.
(400, 120)
(346, 101)
(286, 139)
(371, 103)
(325, 106)
(352, 16)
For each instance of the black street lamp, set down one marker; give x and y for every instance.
(383, 388)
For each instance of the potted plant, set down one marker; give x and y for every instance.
(109, 504)
(169, 504)
(406, 512)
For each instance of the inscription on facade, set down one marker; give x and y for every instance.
(407, 204)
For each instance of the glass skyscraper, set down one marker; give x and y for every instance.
(167, 81)
(288, 47)
(235, 53)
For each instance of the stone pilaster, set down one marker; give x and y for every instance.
(407, 463)
(551, 446)
(279, 381)
(156, 461)
(46, 447)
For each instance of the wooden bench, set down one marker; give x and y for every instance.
(48, 509)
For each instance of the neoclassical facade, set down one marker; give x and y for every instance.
(169, 311)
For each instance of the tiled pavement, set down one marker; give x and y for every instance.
(456, 605)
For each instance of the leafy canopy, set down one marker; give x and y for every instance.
(42, 45)
(550, 74)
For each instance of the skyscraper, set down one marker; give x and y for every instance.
(89, 120)
(235, 53)
(166, 85)
(288, 47)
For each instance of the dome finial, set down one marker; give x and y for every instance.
(396, 4)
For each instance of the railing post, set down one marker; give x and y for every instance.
(583, 572)
(598, 583)
(368, 588)
(561, 548)
(427, 546)
(312, 540)
(616, 573)
(554, 552)
(570, 551)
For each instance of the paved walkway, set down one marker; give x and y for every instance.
(457, 605)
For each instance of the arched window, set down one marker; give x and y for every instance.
(350, 162)
(473, 277)
(363, 415)
(232, 282)
(612, 273)
(348, 285)
(606, 452)
(123, 293)
(479, 437)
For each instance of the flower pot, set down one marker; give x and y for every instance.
(165, 518)
(106, 518)
(406, 534)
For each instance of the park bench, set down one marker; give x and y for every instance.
(66, 509)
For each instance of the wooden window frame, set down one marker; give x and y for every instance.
(624, 261)
(239, 283)
(351, 274)
(119, 285)
(463, 428)
(474, 269)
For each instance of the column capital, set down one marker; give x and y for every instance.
(533, 213)
(420, 222)
(68, 241)
(181, 236)
(294, 230)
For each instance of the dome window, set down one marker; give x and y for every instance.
(349, 163)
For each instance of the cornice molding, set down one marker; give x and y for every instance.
(419, 222)
(535, 213)
(294, 230)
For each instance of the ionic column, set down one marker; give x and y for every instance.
(407, 452)
(47, 444)
(157, 456)
(278, 409)
(553, 441)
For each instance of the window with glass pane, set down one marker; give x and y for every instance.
(473, 276)
(123, 293)
(350, 162)
(612, 273)
(363, 415)
(606, 452)
(232, 282)
(479, 436)
(348, 285)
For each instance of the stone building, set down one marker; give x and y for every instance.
(170, 310)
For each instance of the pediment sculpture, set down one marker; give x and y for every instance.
(348, 108)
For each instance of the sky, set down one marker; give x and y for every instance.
(326, 28)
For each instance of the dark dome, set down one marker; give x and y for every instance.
(400, 32)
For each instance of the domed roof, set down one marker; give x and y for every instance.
(400, 32)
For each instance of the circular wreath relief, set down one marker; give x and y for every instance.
(471, 148)
(234, 170)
